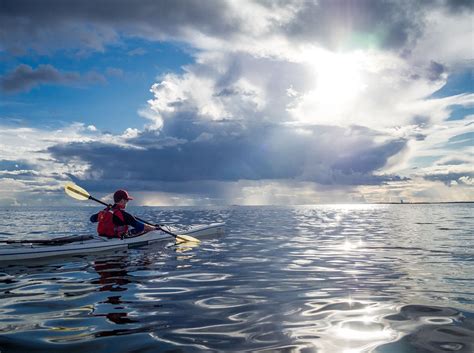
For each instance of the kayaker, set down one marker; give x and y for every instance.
(114, 221)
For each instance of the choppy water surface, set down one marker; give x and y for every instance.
(372, 278)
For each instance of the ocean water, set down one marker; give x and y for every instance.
(329, 278)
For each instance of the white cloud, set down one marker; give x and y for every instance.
(29, 146)
(446, 38)
(376, 89)
(466, 180)
(366, 88)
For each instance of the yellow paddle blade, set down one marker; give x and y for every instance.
(182, 247)
(76, 192)
(180, 238)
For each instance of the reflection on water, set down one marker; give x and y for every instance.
(350, 279)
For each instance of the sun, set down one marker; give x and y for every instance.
(338, 84)
(338, 78)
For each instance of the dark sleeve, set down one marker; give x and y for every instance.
(130, 221)
(94, 218)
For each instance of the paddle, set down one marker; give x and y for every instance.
(78, 193)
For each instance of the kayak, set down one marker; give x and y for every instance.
(76, 245)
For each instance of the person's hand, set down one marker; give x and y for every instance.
(148, 228)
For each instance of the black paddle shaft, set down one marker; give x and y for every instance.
(97, 200)
(156, 226)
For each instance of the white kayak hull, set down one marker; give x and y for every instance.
(97, 244)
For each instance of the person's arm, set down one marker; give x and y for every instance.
(138, 226)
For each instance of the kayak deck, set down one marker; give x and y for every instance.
(87, 245)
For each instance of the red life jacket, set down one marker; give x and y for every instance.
(106, 226)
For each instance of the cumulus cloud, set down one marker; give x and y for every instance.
(306, 97)
(372, 89)
(234, 153)
(235, 164)
(228, 119)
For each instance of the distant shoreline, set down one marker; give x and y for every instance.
(415, 203)
(92, 206)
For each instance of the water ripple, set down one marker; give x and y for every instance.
(326, 279)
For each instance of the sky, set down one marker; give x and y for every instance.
(226, 102)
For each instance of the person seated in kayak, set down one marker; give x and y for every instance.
(114, 221)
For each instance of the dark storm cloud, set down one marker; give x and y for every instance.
(390, 24)
(33, 24)
(459, 5)
(435, 71)
(24, 78)
(92, 24)
(163, 13)
(234, 152)
(370, 159)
